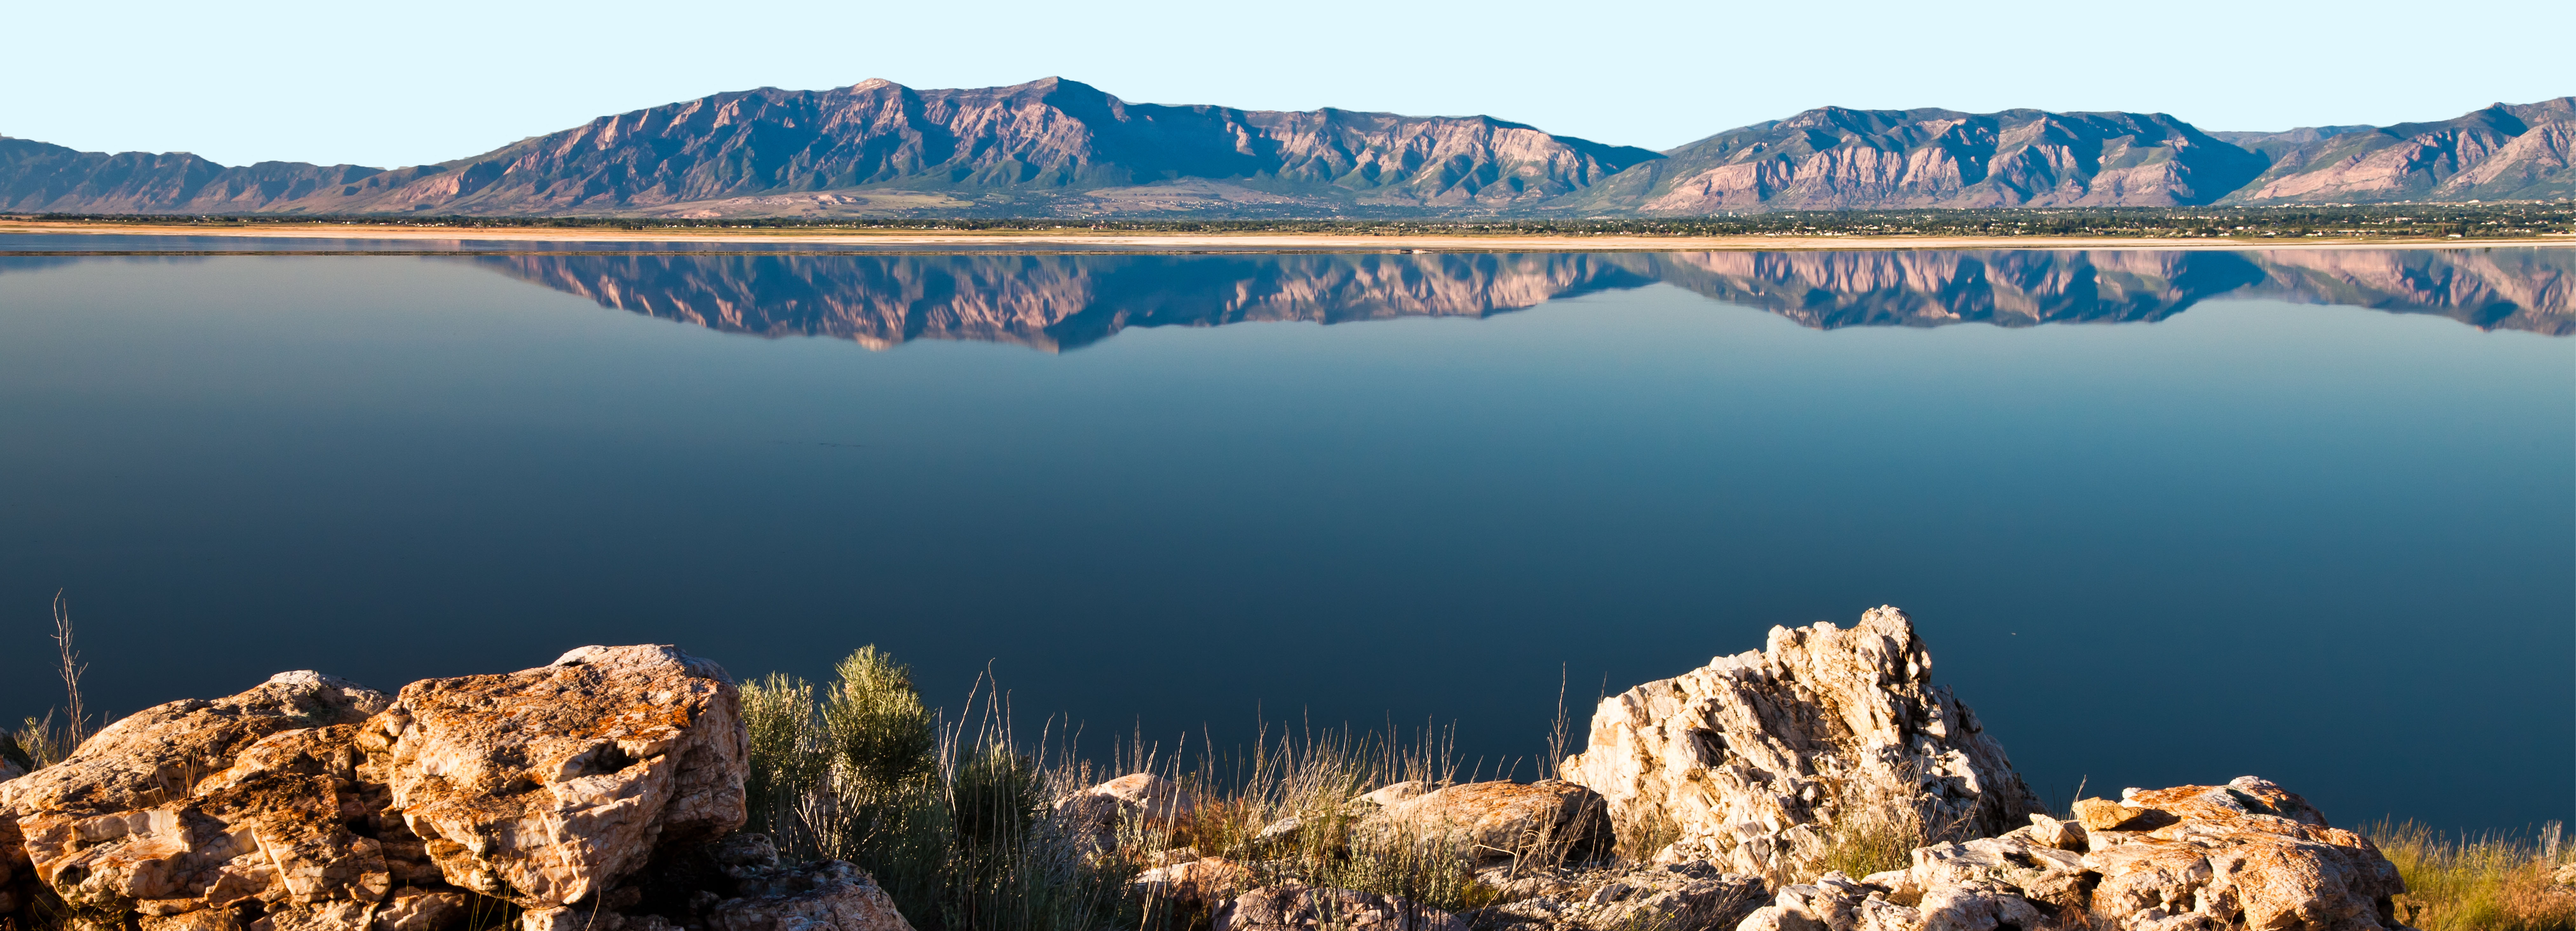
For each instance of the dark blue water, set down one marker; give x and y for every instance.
(2161, 517)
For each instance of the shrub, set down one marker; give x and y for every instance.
(955, 825)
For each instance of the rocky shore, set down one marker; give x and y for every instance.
(610, 791)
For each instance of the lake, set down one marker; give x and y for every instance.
(2162, 517)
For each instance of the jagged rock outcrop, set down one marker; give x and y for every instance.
(1676, 896)
(1550, 822)
(1753, 759)
(311, 804)
(2245, 856)
(1301, 908)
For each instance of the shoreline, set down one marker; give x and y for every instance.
(1149, 242)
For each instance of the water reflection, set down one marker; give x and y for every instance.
(1065, 301)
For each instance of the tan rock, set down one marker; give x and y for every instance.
(2052, 833)
(2246, 856)
(827, 896)
(1835, 902)
(546, 786)
(1549, 822)
(257, 796)
(1143, 795)
(2102, 814)
(1678, 896)
(1751, 757)
(1306, 909)
(418, 910)
(1405, 791)
(204, 919)
(1205, 881)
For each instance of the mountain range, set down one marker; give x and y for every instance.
(1065, 149)
(1065, 301)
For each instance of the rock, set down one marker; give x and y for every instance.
(1751, 757)
(2239, 857)
(547, 785)
(1836, 903)
(2102, 814)
(1143, 795)
(1549, 822)
(2246, 854)
(416, 910)
(14, 761)
(2566, 876)
(1280, 831)
(293, 806)
(827, 896)
(1204, 881)
(256, 800)
(1297, 908)
(1671, 897)
(2052, 833)
(1405, 791)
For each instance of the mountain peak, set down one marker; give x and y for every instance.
(1055, 146)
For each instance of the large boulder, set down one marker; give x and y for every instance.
(311, 804)
(1548, 823)
(2245, 856)
(1749, 761)
(545, 786)
(1303, 908)
(247, 803)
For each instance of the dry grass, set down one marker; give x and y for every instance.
(2488, 882)
(1315, 779)
(1875, 829)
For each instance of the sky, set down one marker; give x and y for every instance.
(399, 84)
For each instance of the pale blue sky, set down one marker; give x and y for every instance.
(387, 84)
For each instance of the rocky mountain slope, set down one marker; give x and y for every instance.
(2503, 152)
(1061, 148)
(992, 146)
(1833, 158)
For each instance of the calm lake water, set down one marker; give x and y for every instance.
(2161, 517)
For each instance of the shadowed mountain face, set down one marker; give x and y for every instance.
(1065, 149)
(1066, 301)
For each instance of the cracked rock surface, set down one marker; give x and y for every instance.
(309, 803)
(1750, 759)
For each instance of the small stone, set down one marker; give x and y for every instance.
(2056, 835)
(2102, 814)
(1405, 791)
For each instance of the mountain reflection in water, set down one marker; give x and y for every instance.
(1066, 301)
